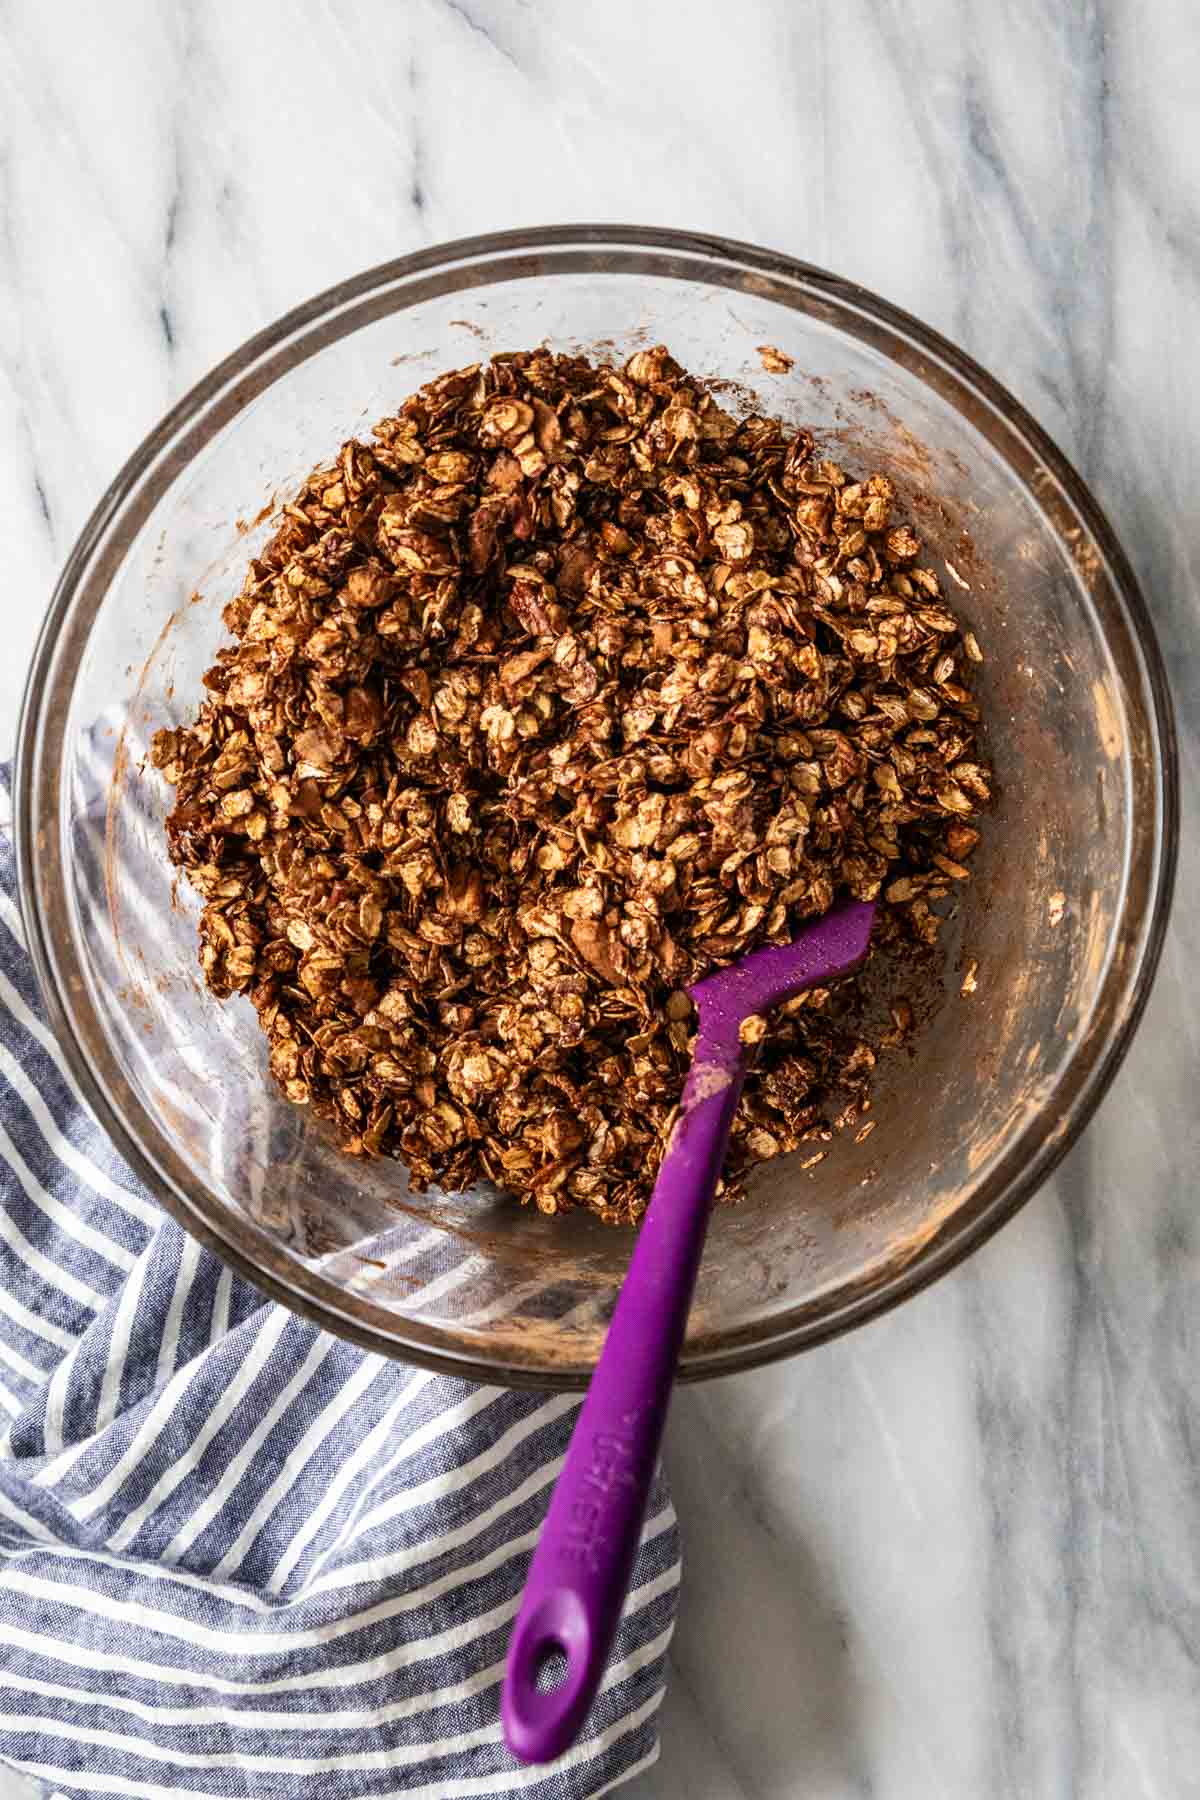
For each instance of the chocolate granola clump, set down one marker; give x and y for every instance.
(564, 690)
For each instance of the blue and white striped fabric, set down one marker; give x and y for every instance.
(237, 1556)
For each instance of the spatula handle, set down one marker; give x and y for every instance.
(580, 1572)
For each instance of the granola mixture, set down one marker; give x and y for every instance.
(564, 690)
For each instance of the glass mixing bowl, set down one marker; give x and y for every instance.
(1060, 928)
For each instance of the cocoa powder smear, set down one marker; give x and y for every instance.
(565, 689)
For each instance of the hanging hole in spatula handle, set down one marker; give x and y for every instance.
(550, 1680)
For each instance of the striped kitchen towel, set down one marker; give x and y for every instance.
(239, 1557)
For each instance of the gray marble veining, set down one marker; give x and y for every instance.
(957, 1554)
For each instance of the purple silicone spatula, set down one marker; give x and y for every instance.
(580, 1571)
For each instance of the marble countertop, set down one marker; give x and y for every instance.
(958, 1553)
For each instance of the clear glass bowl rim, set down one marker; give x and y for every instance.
(468, 263)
